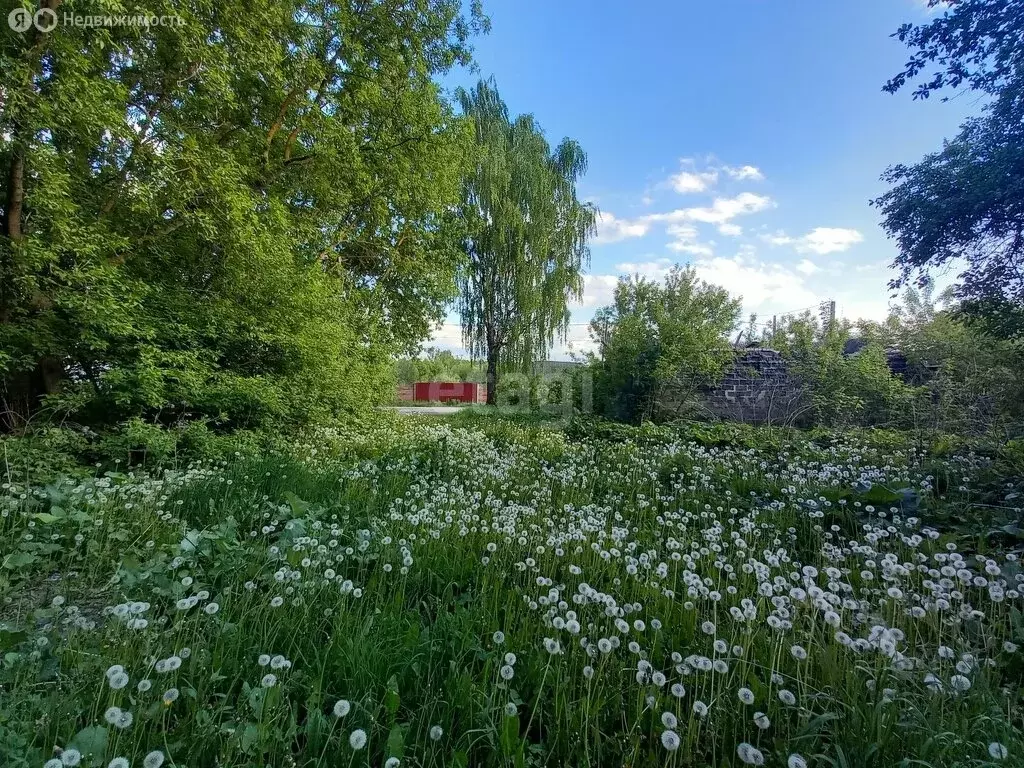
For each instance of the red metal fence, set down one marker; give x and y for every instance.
(443, 391)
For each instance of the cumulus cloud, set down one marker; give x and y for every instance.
(730, 230)
(722, 210)
(745, 173)
(611, 229)
(823, 240)
(688, 182)
(807, 267)
(765, 288)
(653, 270)
(598, 291)
(820, 240)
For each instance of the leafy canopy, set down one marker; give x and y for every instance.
(525, 235)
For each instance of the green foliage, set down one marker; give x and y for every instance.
(374, 578)
(525, 236)
(238, 218)
(967, 200)
(659, 344)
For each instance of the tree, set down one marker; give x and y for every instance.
(967, 200)
(525, 236)
(239, 217)
(661, 343)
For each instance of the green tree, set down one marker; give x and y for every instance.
(659, 343)
(525, 236)
(238, 217)
(967, 200)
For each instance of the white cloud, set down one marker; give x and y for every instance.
(807, 267)
(611, 229)
(685, 240)
(598, 291)
(765, 288)
(722, 210)
(823, 240)
(654, 270)
(730, 230)
(687, 182)
(745, 173)
(820, 240)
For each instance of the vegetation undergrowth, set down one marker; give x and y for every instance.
(491, 592)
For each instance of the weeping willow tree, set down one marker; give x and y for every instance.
(525, 238)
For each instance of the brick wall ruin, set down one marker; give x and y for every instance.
(757, 389)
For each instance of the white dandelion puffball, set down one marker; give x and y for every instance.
(269, 680)
(669, 720)
(392, 762)
(357, 739)
(749, 754)
(498, 637)
(745, 695)
(70, 757)
(53, 763)
(263, 660)
(118, 680)
(670, 740)
(761, 720)
(997, 751)
(153, 760)
(119, 762)
(436, 732)
(342, 707)
(796, 761)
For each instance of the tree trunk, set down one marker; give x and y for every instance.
(492, 376)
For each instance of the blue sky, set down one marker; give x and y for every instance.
(744, 137)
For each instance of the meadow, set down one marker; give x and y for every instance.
(421, 593)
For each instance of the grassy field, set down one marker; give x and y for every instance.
(489, 593)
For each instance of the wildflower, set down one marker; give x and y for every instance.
(787, 697)
(799, 652)
(357, 739)
(796, 761)
(700, 708)
(170, 696)
(745, 695)
(153, 760)
(70, 757)
(112, 714)
(436, 732)
(211, 608)
(269, 680)
(498, 637)
(263, 660)
(118, 680)
(761, 720)
(670, 740)
(342, 707)
(749, 754)
(669, 720)
(392, 762)
(124, 720)
(997, 751)
(507, 672)
(53, 763)
(678, 690)
(960, 683)
(119, 762)
(144, 685)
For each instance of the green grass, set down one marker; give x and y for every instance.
(394, 567)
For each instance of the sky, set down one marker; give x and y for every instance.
(742, 137)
